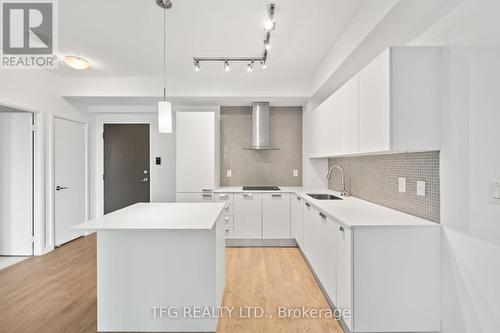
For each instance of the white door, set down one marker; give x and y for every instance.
(308, 237)
(276, 215)
(69, 178)
(16, 183)
(247, 223)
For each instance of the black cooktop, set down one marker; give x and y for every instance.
(261, 188)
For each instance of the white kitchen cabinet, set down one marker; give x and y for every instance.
(194, 197)
(325, 252)
(297, 219)
(276, 215)
(247, 223)
(228, 199)
(309, 241)
(343, 296)
(374, 105)
(324, 128)
(391, 105)
(349, 117)
(197, 151)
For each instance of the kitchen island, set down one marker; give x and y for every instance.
(160, 267)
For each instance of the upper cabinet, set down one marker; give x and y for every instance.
(197, 146)
(391, 105)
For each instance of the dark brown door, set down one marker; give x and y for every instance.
(126, 165)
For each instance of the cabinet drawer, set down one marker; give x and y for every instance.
(229, 232)
(194, 197)
(224, 197)
(228, 209)
(228, 221)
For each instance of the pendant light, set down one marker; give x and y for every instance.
(164, 107)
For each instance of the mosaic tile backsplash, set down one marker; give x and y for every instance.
(375, 179)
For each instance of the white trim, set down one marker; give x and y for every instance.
(146, 118)
(38, 223)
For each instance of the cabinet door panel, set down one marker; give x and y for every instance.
(247, 219)
(308, 241)
(349, 105)
(344, 272)
(297, 218)
(374, 105)
(326, 252)
(276, 215)
(195, 151)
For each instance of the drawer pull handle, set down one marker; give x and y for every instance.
(223, 195)
(276, 195)
(323, 216)
(246, 195)
(226, 218)
(206, 195)
(226, 207)
(206, 190)
(308, 204)
(298, 198)
(341, 228)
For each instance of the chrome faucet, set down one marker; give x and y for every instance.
(343, 191)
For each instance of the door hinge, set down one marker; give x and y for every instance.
(33, 239)
(33, 128)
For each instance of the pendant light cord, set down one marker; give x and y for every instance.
(164, 54)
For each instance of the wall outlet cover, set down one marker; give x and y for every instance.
(494, 192)
(421, 188)
(229, 173)
(402, 184)
(295, 173)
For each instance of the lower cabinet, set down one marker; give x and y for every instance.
(297, 219)
(247, 221)
(276, 215)
(325, 236)
(308, 241)
(375, 273)
(194, 197)
(227, 199)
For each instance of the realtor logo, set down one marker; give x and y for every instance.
(28, 34)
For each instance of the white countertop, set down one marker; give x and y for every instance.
(178, 216)
(351, 212)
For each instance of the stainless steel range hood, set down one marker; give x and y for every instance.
(260, 127)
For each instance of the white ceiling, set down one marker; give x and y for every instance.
(124, 37)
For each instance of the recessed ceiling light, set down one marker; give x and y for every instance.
(227, 67)
(197, 66)
(76, 62)
(267, 45)
(263, 64)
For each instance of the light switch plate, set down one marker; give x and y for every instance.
(295, 173)
(229, 173)
(421, 188)
(402, 184)
(494, 190)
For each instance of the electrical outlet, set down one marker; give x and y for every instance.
(229, 173)
(402, 184)
(295, 173)
(494, 192)
(421, 188)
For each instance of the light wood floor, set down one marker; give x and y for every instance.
(57, 292)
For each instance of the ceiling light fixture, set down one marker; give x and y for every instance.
(269, 23)
(196, 66)
(164, 107)
(263, 64)
(76, 62)
(267, 45)
(250, 67)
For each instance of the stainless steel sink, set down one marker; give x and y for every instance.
(323, 196)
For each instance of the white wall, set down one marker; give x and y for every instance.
(470, 158)
(162, 185)
(39, 91)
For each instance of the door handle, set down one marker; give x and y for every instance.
(341, 228)
(144, 180)
(58, 188)
(308, 204)
(323, 216)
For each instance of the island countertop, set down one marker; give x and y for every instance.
(176, 216)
